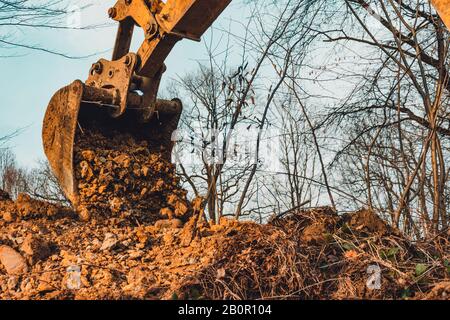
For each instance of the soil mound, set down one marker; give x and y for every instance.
(313, 254)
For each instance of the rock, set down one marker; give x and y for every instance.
(188, 232)
(12, 283)
(84, 214)
(177, 223)
(68, 259)
(12, 261)
(145, 171)
(166, 212)
(8, 209)
(169, 224)
(27, 285)
(36, 248)
(86, 170)
(139, 281)
(110, 242)
(179, 204)
(121, 175)
(136, 254)
(172, 199)
(102, 189)
(116, 205)
(89, 155)
(9, 216)
(122, 159)
(44, 287)
(181, 209)
(144, 192)
(142, 236)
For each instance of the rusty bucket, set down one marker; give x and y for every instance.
(80, 106)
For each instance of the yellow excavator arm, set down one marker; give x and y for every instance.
(122, 92)
(443, 8)
(164, 24)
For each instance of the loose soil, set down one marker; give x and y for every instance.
(119, 175)
(135, 236)
(312, 254)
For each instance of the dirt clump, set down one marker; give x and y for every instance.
(365, 221)
(12, 261)
(8, 209)
(119, 175)
(36, 248)
(440, 291)
(25, 207)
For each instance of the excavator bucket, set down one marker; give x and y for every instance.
(77, 108)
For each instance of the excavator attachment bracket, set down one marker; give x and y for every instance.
(115, 75)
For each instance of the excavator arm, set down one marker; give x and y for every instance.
(121, 93)
(164, 24)
(443, 8)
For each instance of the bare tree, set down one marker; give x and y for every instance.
(18, 17)
(229, 101)
(12, 178)
(396, 115)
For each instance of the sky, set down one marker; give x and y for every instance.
(28, 81)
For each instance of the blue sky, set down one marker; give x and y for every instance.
(28, 81)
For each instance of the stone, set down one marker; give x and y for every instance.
(139, 281)
(166, 212)
(9, 216)
(36, 248)
(84, 214)
(136, 254)
(89, 155)
(12, 283)
(12, 261)
(169, 224)
(115, 204)
(109, 242)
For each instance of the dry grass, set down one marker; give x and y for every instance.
(318, 254)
